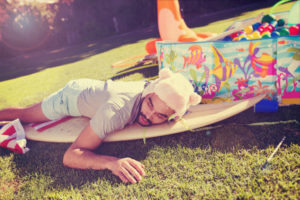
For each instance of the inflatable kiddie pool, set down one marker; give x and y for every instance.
(251, 62)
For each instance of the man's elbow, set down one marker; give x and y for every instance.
(67, 159)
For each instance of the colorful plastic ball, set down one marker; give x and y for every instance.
(280, 22)
(294, 30)
(266, 35)
(274, 24)
(283, 32)
(256, 25)
(244, 39)
(248, 29)
(263, 27)
(242, 36)
(256, 35)
(270, 28)
(234, 35)
(235, 39)
(227, 38)
(250, 37)
(267, 18)
(275, 34)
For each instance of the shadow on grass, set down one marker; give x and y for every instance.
(42, 59)
(235, 133)
(148, 71)
(247, 130)
(243, 131)
(36, 61)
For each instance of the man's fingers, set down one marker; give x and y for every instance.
(138, 166)
(134, 169)
(122, 177)
(128, 174)
(129, 170)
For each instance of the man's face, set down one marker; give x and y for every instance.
(153, 111)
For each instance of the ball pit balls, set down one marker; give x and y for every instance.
(268, 28)
(275, 34)
(268, 18)
(280, 22)
(294, 30)
(234, 35)
(283, 32)
(256, 25)
(242, 37)
(256, 35)
(260, 29)
(266, 35)
(250, 37)
(228, 38)
(248, 29)
(274, 23)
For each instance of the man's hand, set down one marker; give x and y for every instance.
(128, 170)
(80, 156)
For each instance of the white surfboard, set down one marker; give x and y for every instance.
(198, 116)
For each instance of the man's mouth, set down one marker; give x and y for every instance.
(143, 121)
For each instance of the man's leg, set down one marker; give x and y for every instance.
(29, 114)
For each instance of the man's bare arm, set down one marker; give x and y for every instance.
(80, 156)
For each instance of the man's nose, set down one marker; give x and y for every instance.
(149, 114)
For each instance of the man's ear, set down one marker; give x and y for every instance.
(195, 99)
(165, 73)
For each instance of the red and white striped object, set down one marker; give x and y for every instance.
(12, 137)
(41, 126)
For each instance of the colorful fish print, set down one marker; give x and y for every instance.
(161, 58)
(296, 52)
(283, 42)
(242, 83)
(263, 65)
(209, 91)
(170, 58)
(196, 57)
(223, 68)
(240, 49)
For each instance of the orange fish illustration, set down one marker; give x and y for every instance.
(283, 42)
(196, 57)
(223, 69)
(240, 49)
(263, 65)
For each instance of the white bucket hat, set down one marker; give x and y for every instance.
(175, 90)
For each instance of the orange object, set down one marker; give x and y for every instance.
(150, 46)
(171, 25)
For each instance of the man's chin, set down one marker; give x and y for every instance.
(143, 122)
(143, 125)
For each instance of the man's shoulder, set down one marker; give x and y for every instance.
(126, 86)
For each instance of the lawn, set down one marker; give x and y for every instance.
(222, 161)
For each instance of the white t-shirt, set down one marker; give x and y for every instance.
(111, 105)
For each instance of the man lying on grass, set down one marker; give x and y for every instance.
(110, 106)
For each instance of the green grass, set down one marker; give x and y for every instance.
(222, 161)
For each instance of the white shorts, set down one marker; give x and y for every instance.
(64, 102)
